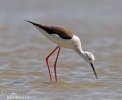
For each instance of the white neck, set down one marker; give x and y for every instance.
(80, 52)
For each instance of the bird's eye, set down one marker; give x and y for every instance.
(89, 58)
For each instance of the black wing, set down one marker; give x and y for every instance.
(62, 32)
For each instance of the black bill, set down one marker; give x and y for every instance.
(94, 71)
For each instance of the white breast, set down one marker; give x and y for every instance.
(76, 41)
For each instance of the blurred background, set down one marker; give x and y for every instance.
(23, 49)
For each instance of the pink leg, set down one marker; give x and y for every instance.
(48, 63)
(56, 63)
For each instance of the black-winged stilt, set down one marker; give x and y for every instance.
(64, 38)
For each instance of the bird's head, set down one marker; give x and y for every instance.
(89, 58)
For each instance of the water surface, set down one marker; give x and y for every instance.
(23, 49)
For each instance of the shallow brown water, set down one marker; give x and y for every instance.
(23, 70)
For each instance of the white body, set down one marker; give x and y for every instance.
(66, 43)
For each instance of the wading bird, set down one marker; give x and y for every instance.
(66, 39)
